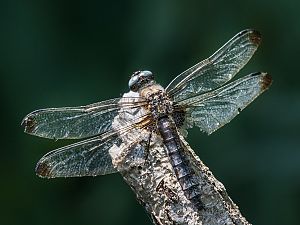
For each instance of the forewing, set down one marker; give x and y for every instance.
(86, 158)
(214, 109)
(216, 70)
(78, 122)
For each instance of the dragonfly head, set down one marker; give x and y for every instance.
(140, 79)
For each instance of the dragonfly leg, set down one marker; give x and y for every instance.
(147, 148)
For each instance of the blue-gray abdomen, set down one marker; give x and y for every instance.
(184, 172)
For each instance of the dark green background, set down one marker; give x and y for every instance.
(68, 53)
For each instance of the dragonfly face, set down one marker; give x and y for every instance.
(200, 96)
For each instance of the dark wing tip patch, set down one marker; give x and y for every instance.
(266, 81)
(42, 169)
(255, 37)
(29, 124)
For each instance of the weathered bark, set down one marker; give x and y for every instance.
(151, 176)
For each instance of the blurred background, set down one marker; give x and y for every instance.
(69, 53)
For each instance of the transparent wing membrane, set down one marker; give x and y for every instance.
(212, 110)
(216, 70)
(86, 158)
(122, 128)
(77, 122)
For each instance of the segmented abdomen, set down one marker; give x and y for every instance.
(184, 172)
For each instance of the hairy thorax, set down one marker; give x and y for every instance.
(159, 103)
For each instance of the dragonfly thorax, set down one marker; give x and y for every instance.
(159, 104)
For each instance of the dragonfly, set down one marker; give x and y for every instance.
(201, 96)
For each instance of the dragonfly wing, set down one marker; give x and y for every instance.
(216, 70)
(78, 122)
(212, 110)
(86, 158)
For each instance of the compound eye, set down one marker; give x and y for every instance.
(146, 73)
(140, 79)
(133, 82)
